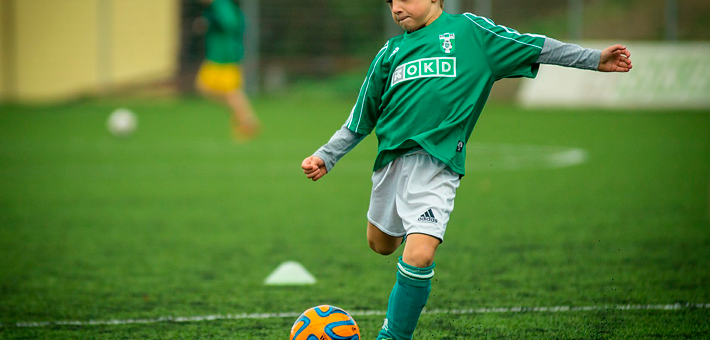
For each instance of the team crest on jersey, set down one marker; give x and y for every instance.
(447, 42)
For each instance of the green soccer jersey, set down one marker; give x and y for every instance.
(223, 41)
(426, 89)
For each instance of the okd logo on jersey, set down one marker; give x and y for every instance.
(426, 67)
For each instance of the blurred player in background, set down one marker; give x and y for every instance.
(422, 96)
(220, 75)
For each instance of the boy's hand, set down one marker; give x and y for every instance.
(314, 168)
(615, 59)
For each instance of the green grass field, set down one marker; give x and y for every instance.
(180, 221)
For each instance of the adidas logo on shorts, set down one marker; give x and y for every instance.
(428, 216)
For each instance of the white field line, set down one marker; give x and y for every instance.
(363, 313)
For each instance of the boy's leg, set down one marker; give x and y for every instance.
(380, 242)
(420, 249)
(411, 291)
(224, 83)
(244, 121)
(413, 195)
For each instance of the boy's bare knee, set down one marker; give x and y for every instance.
(380, 242)
(419, 258)
(381, 249)
(420, 250)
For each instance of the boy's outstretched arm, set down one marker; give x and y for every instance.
(615, 58)
(324, 159)
(314, 168)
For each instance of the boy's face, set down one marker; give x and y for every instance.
(414, 14)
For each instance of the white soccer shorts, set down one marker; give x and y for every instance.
(414, 194)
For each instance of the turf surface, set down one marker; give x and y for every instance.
(179, 220)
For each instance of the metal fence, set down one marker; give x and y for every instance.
(288, 40)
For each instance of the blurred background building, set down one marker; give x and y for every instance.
(61, 49)
(56, 49)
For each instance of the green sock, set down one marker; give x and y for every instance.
(408, 298)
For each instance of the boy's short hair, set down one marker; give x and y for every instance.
(441, 3)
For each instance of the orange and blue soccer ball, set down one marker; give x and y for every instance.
(325, 323)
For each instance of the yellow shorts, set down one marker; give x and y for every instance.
(219, 77)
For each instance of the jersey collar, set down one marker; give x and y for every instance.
(439, 21)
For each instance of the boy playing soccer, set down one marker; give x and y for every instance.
(220, 75)
(423, 94)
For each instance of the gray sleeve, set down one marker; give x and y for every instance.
(556, 52)
(341, 143)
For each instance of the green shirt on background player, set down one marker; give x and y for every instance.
(424, 92)
(225, 32)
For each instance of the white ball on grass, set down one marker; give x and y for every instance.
(122, 122)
